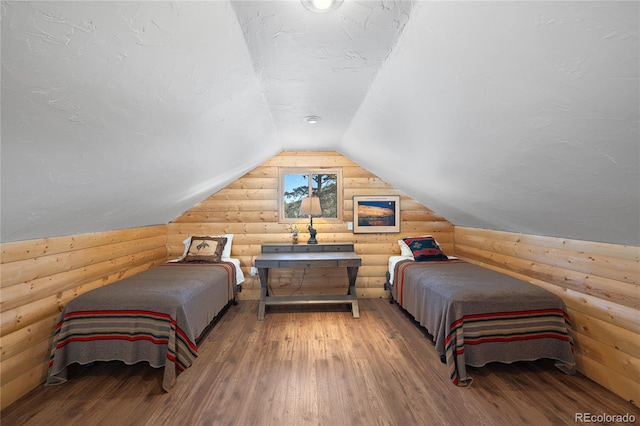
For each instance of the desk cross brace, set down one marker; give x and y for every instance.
(266, 300)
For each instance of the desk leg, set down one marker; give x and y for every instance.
(352, 273)
(264, 276)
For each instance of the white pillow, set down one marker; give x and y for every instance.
(226, 253)
(404, 249)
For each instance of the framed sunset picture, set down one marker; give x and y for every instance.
(376, 214)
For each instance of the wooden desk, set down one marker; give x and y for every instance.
(307, 256)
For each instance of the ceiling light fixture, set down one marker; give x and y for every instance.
(321, 6)
(312, 119)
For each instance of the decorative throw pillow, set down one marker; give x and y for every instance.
(207, 249)
(404, 248)
(226, 253)
(424, 249)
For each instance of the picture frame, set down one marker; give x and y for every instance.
(376, 214)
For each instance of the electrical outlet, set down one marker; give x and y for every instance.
(254, 271)
(350, 226)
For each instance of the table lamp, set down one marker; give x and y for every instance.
(311, 206)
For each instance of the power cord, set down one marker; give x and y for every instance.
(270, 289)
(304, 272)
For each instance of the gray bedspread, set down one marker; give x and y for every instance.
(155, 316)
(477, 316)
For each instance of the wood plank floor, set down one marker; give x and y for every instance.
(316, 366)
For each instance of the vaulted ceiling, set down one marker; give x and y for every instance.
(515, 116)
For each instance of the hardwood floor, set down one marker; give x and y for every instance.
(316, 366)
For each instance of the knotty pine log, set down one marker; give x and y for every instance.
(616, 291)
(618, 383)
(604, 332)
(624, 269)
(616, 360)
(36, 354)
(31, 249)
(598, 284)
(14, 343)
(26, 270)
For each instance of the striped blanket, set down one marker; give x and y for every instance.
(152, 317)
(477, 316)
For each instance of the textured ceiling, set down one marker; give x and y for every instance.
(516, 116)
(318, 64)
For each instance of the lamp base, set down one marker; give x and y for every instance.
(312, 234)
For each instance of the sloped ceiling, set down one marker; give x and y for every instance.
(516, 116)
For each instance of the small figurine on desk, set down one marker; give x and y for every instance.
(294, 233)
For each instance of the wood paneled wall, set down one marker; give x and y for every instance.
(248, 208)
(38, 277)
(598, 282)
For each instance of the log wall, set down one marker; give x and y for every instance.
(248, 208)
(38, 277)
(598, 282)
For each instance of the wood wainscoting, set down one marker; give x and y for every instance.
(40, 276)
(597, 281)
(248, 208)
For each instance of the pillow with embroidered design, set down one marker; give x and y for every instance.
(208, 249)
(424, 248)
(226, 252)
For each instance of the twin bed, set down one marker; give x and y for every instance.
(476, 315)
(155, 316)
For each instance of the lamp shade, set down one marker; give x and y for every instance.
(310, 206)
